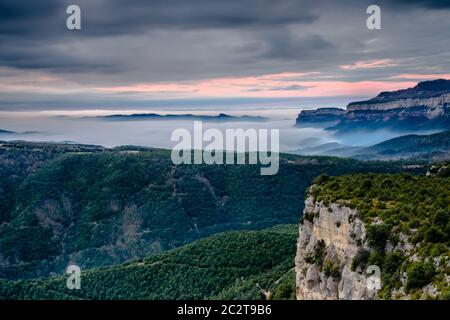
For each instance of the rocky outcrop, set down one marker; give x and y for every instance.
(431, 94)
(330, 116)
(434, 103)
(423, 107)
(333, 260)
(330, 238)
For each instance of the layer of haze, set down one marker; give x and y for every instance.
(87, 128)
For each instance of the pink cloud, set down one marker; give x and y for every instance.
(368, 64)
(276, 85)
(266, 86)
(214, 87)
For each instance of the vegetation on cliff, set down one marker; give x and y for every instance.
(97, 207)
(407, 219)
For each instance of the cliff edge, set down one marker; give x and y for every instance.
(328, 242)
(423, 107)
(375, 236)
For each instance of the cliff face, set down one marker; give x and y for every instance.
(323, 116)
(425, 106)
(331, 246)
(431, 94)
(432, 102)
(328, 242)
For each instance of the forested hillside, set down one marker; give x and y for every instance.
(232, 265)
(434, 146)
(94, 207)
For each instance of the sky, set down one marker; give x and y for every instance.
(211, 54)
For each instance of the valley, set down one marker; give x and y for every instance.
(141, 228)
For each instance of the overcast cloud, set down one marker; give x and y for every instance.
(140, 51)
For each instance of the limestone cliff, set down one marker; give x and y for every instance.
(425, 106)
(430, 94)
(328, 242)
(333, 241)
(326, 116)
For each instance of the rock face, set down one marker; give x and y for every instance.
(352, 253)
(328, 242)
(330, 116)
(431, 94)
(425, 106)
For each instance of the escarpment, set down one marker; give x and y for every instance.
(330, 238)
(327, 116)
(431, 94)
(375, 236)
(425, 106)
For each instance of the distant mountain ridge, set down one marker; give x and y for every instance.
(222, 117)
(423, 107)
(410, 146)
(423, 90)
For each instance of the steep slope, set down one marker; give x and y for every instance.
(99, 208)
(233, 265)
(423, 107)
(398, 224)
(326, 246)
(21, 159)
(434, 146)
(432, 93)
(322, 117)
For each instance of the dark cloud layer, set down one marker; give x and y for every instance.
(33, 34)
(20, 17)
(140, 41)
(425, 3)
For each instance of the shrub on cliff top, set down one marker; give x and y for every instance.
(377, 235)
(420, 274)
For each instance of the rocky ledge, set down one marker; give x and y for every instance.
(423, 107)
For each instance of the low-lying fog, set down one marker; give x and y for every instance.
(87, 128)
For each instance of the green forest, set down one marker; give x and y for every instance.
(100, 207)
(142, 228)
(232, 265)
